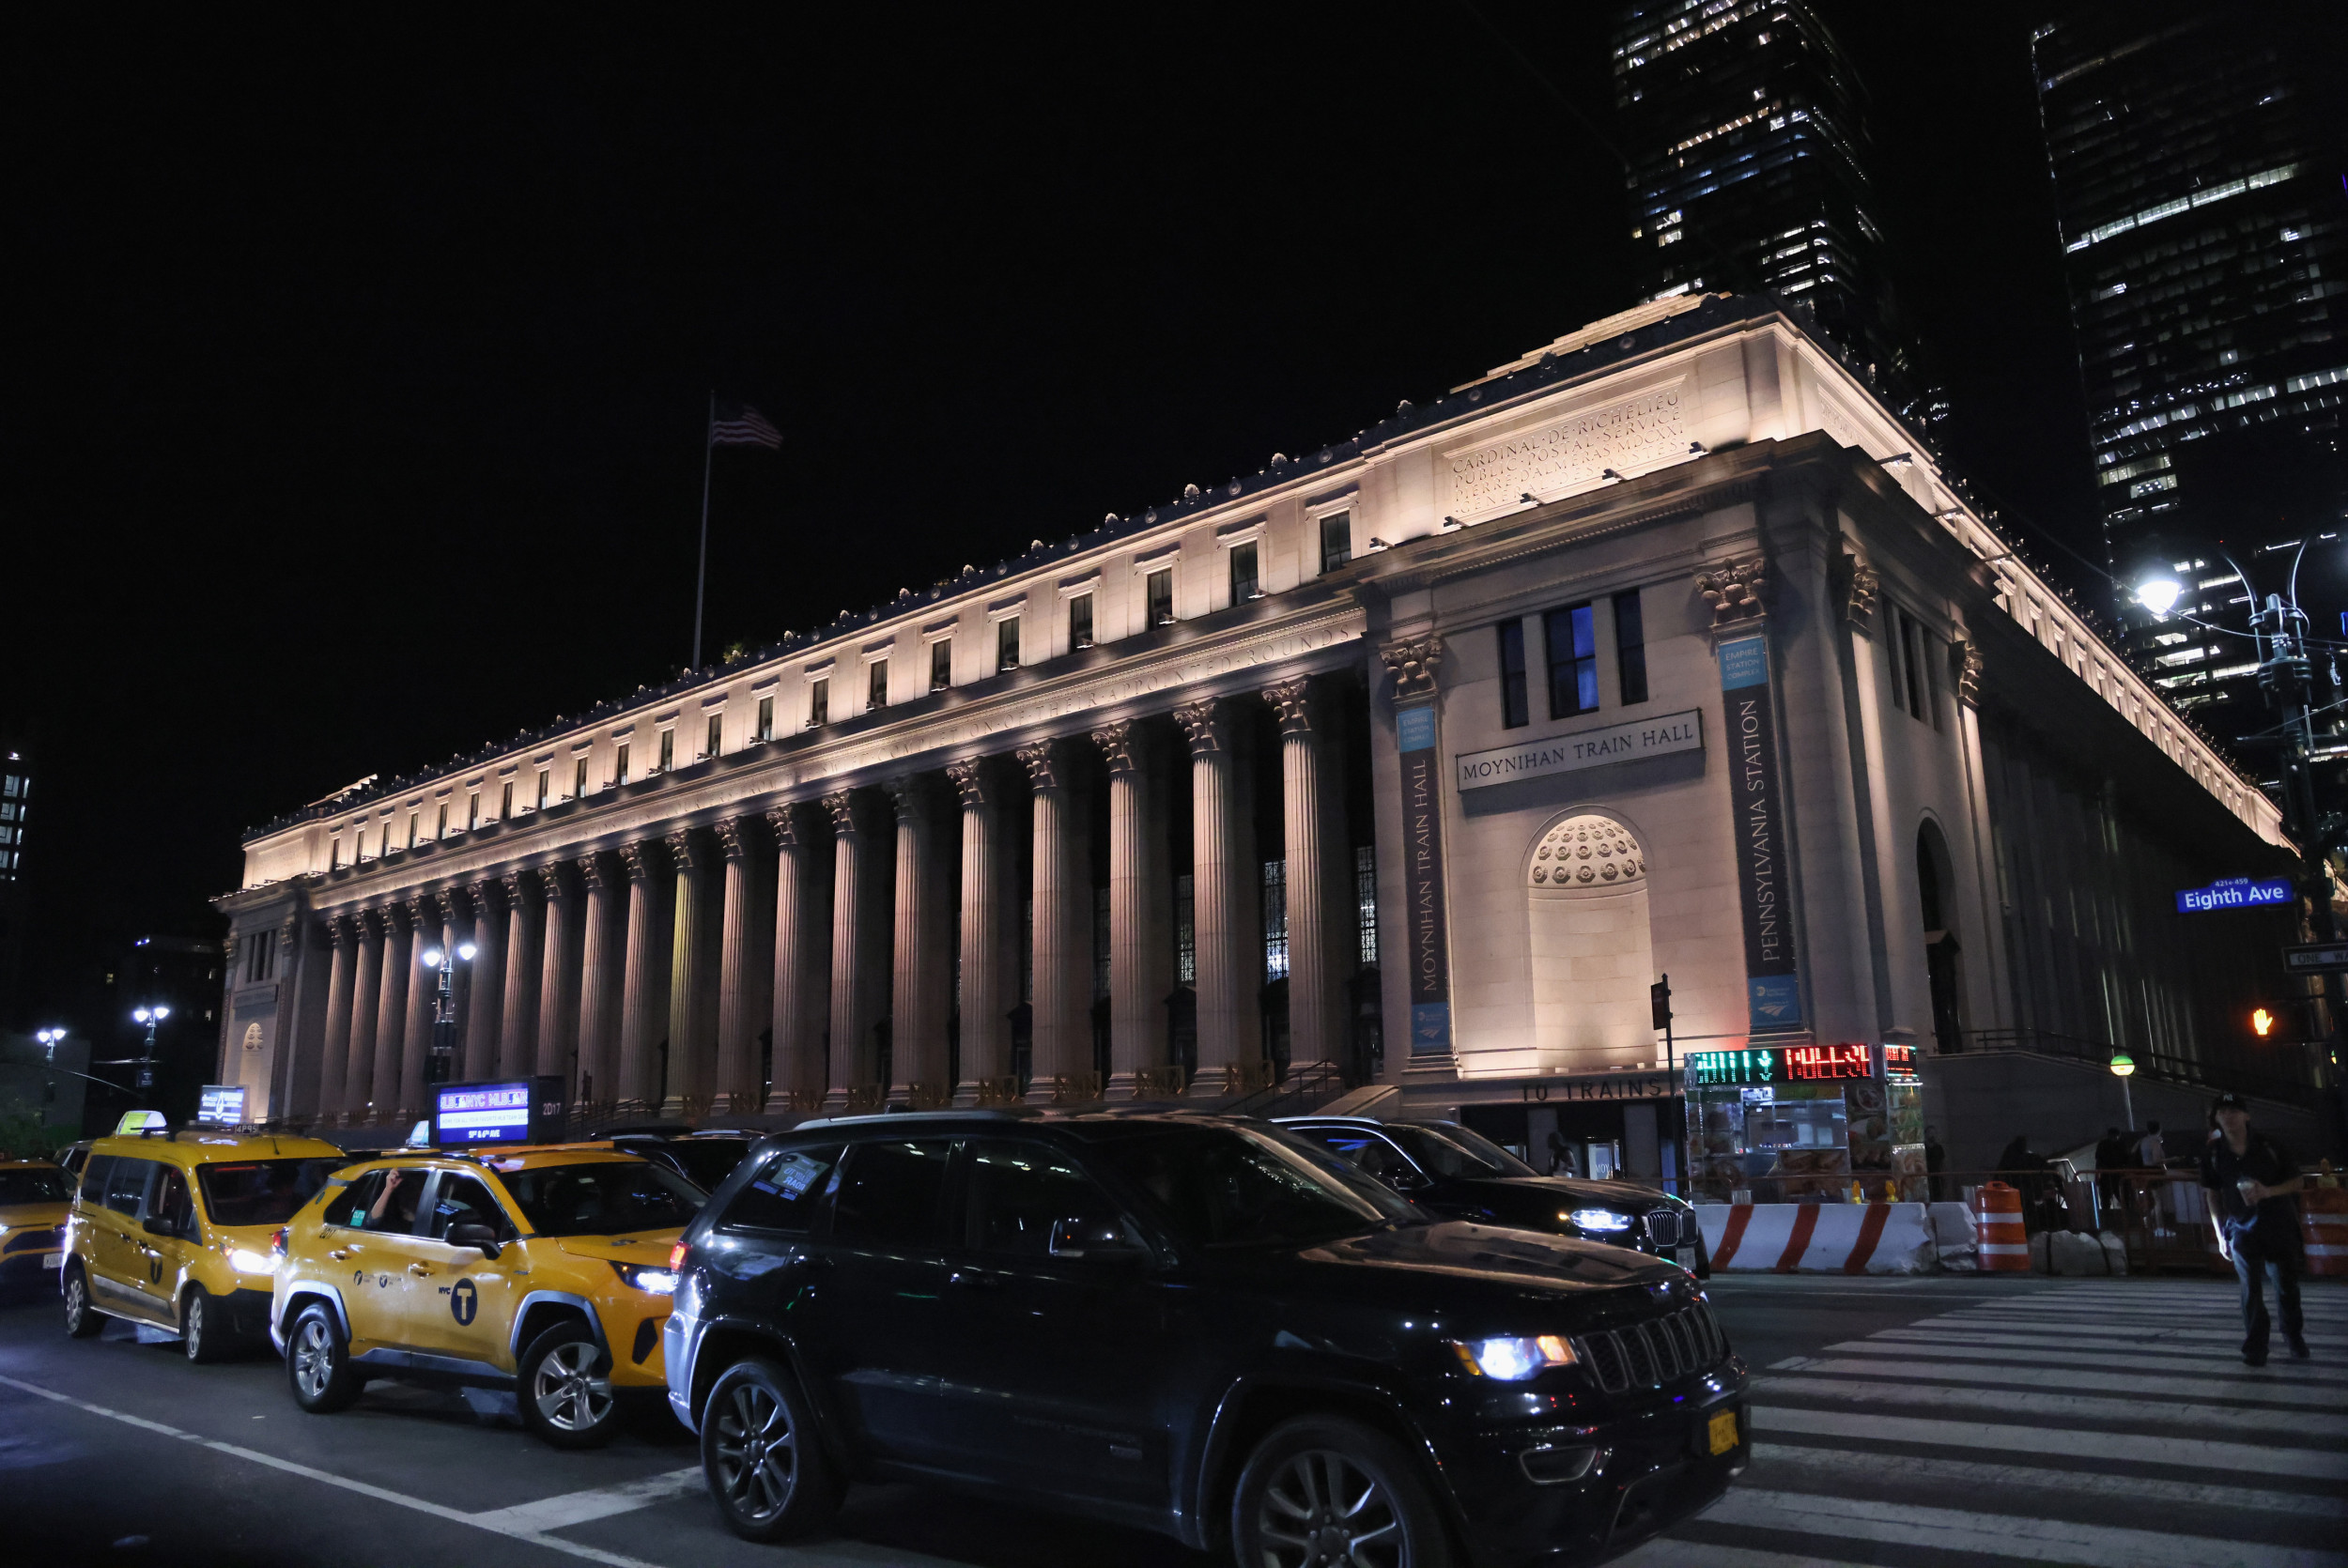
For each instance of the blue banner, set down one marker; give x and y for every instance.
(1773, 991)
(1423, 914)
(2237, 893)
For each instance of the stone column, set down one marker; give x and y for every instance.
(366, 988)
(1063, 920)
(644, 987)
(518, 1016)
(802, 952)
(334, 1057)
(917, 1023)
(693, 973)
(390, 1020)
(601, 934)
(432, 923)
(855, 888)
(1313, 1010)
(1136, 1021)
(485, 1005)
(746, 970)
(985, 998)
(1218, 883)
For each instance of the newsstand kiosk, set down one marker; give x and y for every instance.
(1804, 1124)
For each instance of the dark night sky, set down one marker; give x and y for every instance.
(358, 377)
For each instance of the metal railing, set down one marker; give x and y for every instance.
(2165, 1067)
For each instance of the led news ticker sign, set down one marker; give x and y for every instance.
(1782, 1064)
(483, 1113)
(2236, 893)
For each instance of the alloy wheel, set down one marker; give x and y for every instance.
(313, 1357)
(568, 1391)
(757, 1453)
(192, 1333)
(1324, 1511)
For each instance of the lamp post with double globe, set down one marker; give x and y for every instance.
(443, 961)
(150, 1016)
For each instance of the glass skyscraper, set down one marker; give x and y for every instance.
(2199, 188)
(1745, 130)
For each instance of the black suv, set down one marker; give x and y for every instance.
(1462, 1175)
(1195, 1324)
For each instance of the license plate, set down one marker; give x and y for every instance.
(1687, 1257)
(52, 1260)
(1722, 1431)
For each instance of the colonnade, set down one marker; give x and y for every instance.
(838, 949)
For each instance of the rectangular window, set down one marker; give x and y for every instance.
(1275, 920)
(1243, 573)
(1336, 540)
(579, 780)
(876, 686)
(441, 831)
(619, 765)
(415, 820)
(1516, 703)
(766, 719)
(1572, 634)
(1007, 644)
(941, 664)
(545, 787)
(668, 751)
(1158, 594)
(505, 801)
(717, 734)
(818, 703)
(1365, 899)
(1080, 622)
(472, 810)
(335, 855)
(1630, 648)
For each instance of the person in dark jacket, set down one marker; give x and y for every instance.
(2253, 1191)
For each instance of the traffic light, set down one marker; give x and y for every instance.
(2262, 1022)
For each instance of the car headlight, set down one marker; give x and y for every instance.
(246, 1261)
(656, 1282)
(1596, 1219)
(1512, 1360)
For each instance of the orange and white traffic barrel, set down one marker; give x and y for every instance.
(2323, 1224)
(2000, 1245)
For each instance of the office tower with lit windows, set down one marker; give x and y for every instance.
(1744, 126)
(2198, 185)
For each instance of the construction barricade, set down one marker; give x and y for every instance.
(2001, 1247)
(1818, 1238)
(2323, 1222)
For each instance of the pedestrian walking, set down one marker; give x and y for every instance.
(2152, 1150)
(2254, 1197)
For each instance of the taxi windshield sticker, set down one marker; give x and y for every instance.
(791, 1176)
(358, 1217)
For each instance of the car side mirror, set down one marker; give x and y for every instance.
(474, 1234)
(160, 1224)
(1095, 1241)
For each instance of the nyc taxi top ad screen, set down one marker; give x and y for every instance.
(482, 1113)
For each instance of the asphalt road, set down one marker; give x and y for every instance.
(1920, 1423)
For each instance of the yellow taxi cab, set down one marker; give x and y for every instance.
(535, 1273)
(171, 1229)
(34, 1198)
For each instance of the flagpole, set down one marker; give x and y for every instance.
(700, 577)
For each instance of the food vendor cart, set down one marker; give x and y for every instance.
(1803, 1123)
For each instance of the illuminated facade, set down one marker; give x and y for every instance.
(1410, 761)
(2197, 182)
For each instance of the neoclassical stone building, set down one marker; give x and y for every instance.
(1415, 758)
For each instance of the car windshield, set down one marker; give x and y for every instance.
(1241, 1187)
(31, 1186)
(261, 1191)
(709, 1161)
(607, 1197)
(1452, 1150)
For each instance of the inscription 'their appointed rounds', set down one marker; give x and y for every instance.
(1584, 749)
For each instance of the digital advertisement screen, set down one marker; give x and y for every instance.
(483, 1113)
(220, 1105)
(1761, 1066)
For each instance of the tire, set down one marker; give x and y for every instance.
(760, 1455)
(563, 1386)
(1321, 1491)
(318, 1362)
(204, 1330)
(1704, 1258)
(82, 1320)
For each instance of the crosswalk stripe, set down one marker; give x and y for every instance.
(2211, 1304)
(2153, 1331)
(2010, 1350)
(2086, 1408)
(1998, 1534)
(1833, 1463)
(2241, 1391)
(1667, 1553)
(2131, 1448)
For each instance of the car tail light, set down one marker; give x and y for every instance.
(676, 1257)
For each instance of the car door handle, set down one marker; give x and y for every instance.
(419, 1271)
(340, 1253)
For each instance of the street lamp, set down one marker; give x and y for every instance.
(48, 1038)
(443, 961)
(2123, 1067)
(2159, 593)
(150, 1017)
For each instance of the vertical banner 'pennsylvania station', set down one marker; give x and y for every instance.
(1759, 803)
(1422, 884)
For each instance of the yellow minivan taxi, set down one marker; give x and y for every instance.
(536, 1273)
(171, 1230)
(34, 1198)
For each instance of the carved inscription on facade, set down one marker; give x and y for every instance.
(1569, 451)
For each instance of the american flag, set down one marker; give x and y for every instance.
(739, 424)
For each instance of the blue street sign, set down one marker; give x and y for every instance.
(2235, 893)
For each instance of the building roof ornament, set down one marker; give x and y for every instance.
(1414, 662)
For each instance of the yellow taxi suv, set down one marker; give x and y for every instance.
(538, 1275)
(171, 1230)
(34, 1198)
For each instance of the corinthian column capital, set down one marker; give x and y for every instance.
(1120, 741)
(790, 824)
(1293, 703)
(1206, 725)
(645, 859)
(970, 779)
(1414, 662)
(735, 836)
(1044, 762)
(689, 850)
(846, 819)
